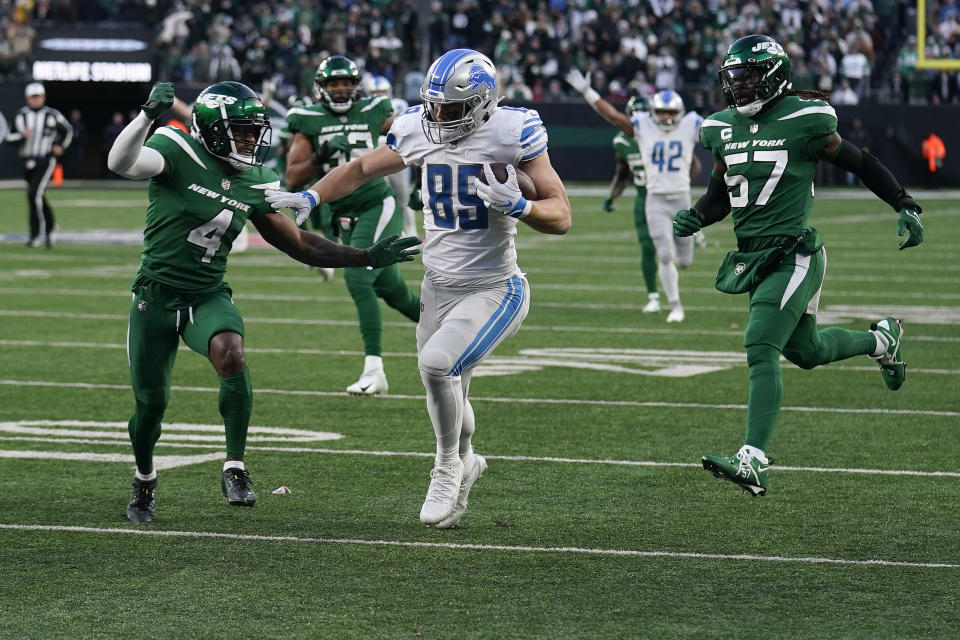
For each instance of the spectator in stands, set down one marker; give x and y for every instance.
(845, 94)
(855, 69)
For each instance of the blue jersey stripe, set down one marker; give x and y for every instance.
(529, 131)
(535, 140)
(494, 328)
(534, 153)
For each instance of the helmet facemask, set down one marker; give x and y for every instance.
(339, 100)
(449, 121)
(232, 124)
(749, 86)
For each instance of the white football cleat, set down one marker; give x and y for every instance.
(326, 273)
(473, 467)
(443, 492)
(653, 305)
(676, 314)
(371, 383)
(700, 240)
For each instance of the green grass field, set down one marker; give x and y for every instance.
(594, 518)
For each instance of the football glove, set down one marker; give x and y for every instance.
(608, 205)
(330, 148)
(392, 249)
(910, 225)
(577, 80)
(159, 100)
(686, 223)
(301, 202)
(415, 202)
(505, 197)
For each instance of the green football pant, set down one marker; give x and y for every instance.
(366, 285)
(153, 335)
(783, 320)
(648, 254)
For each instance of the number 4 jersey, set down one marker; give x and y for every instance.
(465, 242)
(197, 208)
(771, 159)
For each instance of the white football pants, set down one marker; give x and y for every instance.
(671, 250)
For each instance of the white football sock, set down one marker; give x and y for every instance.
(755, 453)
(372, 363)
(670, 280)
(233, 464)
(882, 344)
(143, 478)
(445, 406)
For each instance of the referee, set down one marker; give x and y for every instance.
(44, 134)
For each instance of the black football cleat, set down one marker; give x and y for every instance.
(140, 508)
(235, 484)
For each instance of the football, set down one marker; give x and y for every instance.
(527, 188)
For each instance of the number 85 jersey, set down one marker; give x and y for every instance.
(466, 243)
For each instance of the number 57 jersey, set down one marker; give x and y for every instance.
(465, 242)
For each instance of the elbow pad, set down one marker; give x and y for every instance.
(714, 205)
(874, 175)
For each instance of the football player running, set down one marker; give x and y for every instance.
(343, 125)
(629, 166)
(399, 182)
(474, 295)
(766, 146)
(666, 137)
(203, 187)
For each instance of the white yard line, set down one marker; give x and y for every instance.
(300, 322)
(543, 401)
(460, 546)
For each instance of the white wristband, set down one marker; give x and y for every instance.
(526, 210)
(591, 96)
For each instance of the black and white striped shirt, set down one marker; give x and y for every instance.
(47, 127)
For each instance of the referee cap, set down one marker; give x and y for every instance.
(35, 89)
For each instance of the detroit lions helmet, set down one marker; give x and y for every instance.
(230, 121)
(755, 70)
(335, 68)
(377, 86)
(666, 109)
(459, 94)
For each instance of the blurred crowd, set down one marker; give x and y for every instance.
(857, 49)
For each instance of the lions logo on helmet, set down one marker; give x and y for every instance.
(755, 71)
(335, 68)
(459, 95)
(666, 109)
(230, 121)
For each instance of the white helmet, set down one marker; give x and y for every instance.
(461, 86)
(666, 109)
(377, 86)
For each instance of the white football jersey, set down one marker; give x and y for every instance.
(466, 243)
(399, 105)
(667, 155)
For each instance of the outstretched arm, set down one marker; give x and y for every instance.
(877, 178)
(128, 157)
(601, 106)
(317, 251)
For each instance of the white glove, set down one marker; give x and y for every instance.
(505, 197)
(302, 202)
(577, 80)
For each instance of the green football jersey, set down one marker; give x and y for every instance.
(771, 159)
(628, 150)
(195, 211)
(362, 126)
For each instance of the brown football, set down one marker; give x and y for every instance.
(527, 188)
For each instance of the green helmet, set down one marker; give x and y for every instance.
(636, 104)
(334, 68)
(755, 70)
(231, 123)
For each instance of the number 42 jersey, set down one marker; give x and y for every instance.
(667, 155)
(466, 243)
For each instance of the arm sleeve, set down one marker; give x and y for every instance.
(16, 135)
(129, 157)
(714, 205)
(533, 137)
(874, 175)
